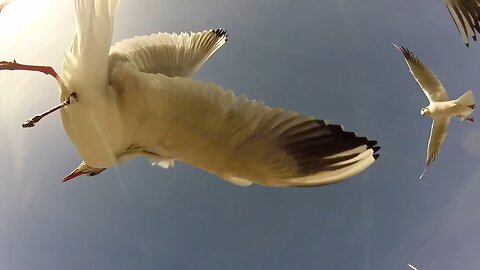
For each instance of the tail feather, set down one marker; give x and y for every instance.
(466, 105)
(467, 99)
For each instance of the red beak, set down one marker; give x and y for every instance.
(72, 175)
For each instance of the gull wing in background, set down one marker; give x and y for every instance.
(170, 54)
(428, 81)
(411, 266)
(240, 140)
(4, 3)
(438, 133)
(466, 16)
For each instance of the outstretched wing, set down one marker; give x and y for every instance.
(438, 133)
(430, 84)
(241, 140)
(169, 54)
(466, 16)
(85, 66)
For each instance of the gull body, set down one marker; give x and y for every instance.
(137, 99)
(446, 109)
(440, 109)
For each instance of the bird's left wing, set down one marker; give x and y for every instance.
(438, 133)
(169, 54)
(238, 139)
(466, 15)
(85, 66)
(428, 81)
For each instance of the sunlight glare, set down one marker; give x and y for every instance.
(21, 17)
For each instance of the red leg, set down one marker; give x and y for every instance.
(6, 65)
(32, 121)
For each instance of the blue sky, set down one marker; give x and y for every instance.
(331, 59)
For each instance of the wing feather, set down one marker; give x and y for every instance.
(428, 81)
(438, 133)
(169, 54)
(466, 16)
(85, 66)
(240, 139)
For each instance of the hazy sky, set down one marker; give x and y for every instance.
(331, 59)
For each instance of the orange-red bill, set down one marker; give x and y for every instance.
(72, 175)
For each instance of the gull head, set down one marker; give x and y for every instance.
(425, 111)
(83, 169)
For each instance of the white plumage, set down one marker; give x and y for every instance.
(136, 98)
(441, 109)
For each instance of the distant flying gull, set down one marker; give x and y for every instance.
(411, 266)
(466, 16)
(440, 108)
(4, 3)
(136, 99)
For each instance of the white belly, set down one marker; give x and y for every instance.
(96, 132)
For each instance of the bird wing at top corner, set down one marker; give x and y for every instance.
(240, 139)
(428, 81)
(86, 61)
(170, 54)
(466, 16)
(411, 266)
(4, 3)
(438, 133)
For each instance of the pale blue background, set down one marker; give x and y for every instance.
(332, 59)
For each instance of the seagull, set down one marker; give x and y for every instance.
(440, 109)
(137, 99)
(466, 16)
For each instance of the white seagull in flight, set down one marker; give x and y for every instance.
(136, 99)
(440, 108)
(466, 16)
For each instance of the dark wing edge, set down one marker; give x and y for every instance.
(325, 153)
(466, 16)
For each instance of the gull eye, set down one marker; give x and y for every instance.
(92, 174)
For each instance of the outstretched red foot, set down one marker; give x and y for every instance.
(7, 65)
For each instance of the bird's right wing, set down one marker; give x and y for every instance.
(466, 16)
(169, 54)
(428, 81)
(238, 139)
(438, 133)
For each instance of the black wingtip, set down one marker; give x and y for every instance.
(220, 33)
(376, 156)
(371, 144)
(376, 148)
